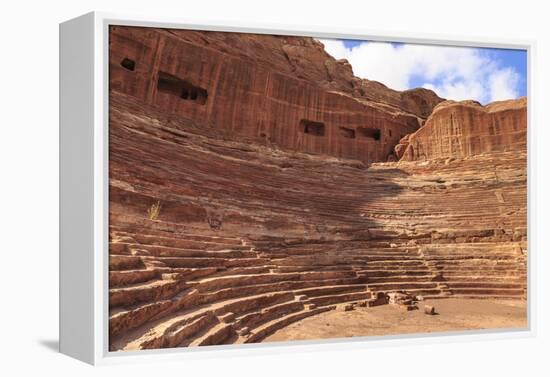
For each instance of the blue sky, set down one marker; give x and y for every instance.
(482, 74)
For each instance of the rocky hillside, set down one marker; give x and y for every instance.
(282, 91)
(463, 129)
(249, 189)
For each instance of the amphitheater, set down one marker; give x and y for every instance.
(256, 184)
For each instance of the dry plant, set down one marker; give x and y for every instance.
(154, 211)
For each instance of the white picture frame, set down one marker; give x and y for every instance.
(84, 191)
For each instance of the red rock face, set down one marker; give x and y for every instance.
(284, 91)
(463, 129)
(246, 231)
(230, 216)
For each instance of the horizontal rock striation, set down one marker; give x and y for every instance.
(244, 192)
(463, 129)
(250, 239)
(283, 91)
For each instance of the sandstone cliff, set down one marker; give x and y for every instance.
(305, 58)
(250, 239)
(463, 129)
(232, 213)
(283, 91)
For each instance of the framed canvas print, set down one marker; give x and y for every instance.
(226, 188)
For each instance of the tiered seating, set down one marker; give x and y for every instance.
(251, 238)
(240, 301)
(480, 270)
(196, 296)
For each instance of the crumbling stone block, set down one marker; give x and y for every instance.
(428, 309)
(228, 317)
(349, 307)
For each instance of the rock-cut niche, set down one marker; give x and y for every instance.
(183, 89)
(311, 127)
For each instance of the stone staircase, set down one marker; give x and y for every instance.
(252, 238)
(177, 290)
(180, 294)
(481, 270)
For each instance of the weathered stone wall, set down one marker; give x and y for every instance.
(249, 237)
(463, 129)
(242, 92)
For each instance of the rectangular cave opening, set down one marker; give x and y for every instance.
(183, 89)
(128, 64)
(371, 133)
(347, 132)
(311, 127)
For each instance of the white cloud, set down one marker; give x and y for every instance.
(452, 72)
(503, 84)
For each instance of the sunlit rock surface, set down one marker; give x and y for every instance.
(249, 189)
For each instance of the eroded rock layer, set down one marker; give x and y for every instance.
(243, 194)
(249, 238)
(462, 129)
(284, 91)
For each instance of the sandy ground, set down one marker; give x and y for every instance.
(452, 315)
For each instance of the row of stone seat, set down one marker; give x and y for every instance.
(250, 239)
